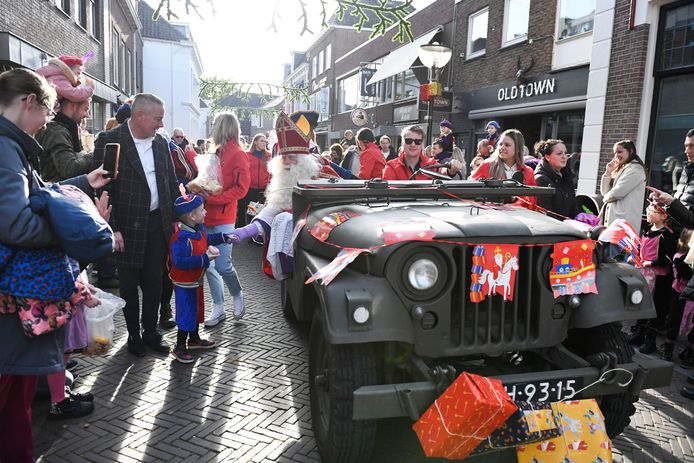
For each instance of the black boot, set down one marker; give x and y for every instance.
(165, 319)
(687, 357)
(666, 350)
(637, 336)
(648, 346)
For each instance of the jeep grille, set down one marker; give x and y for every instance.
(495, 325)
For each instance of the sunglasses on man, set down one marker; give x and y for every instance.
(416, 141)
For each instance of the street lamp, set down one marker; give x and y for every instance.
(434, 57)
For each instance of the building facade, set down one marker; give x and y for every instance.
(171, 70)
(34, 31)
(524, 64)
(383, 77)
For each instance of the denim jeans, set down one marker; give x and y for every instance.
(221, 270)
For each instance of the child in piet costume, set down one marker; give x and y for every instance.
(191, 253)
(292, 164)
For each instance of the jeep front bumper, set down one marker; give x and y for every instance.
(412, 399)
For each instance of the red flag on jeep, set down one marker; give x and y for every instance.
(494, 268)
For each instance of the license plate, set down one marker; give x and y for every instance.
(544, 391)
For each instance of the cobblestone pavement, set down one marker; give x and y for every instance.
(247, 400)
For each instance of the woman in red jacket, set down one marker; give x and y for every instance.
(507, 161)
(258, 157)
(221, 214)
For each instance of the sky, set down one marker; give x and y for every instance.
(236, 44)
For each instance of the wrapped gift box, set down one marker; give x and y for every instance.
(465, 414)
(532, 422)
(583, 439)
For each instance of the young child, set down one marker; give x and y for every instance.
(493, 128)
(190, 256)
(446, 137)
(657, 250)
(682, 273)
(65, 74)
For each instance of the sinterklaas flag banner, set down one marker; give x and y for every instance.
(573, 271)
(494, 268)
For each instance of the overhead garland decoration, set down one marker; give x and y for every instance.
(387, 13)
(215, 89)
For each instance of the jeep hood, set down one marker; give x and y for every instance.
(460, 220)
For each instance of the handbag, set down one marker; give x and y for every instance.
(81, 232)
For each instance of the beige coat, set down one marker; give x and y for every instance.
(624, 200)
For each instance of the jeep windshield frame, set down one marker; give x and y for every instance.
(323, 192)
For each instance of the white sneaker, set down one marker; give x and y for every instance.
(239, 306)
(217, 315)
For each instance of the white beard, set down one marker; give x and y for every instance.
(284, 178)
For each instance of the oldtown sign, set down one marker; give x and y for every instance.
(540, 87)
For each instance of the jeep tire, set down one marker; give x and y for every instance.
(335, 372)
(616, 408)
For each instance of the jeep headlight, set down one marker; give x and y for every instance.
(636, 297)
(423, 274)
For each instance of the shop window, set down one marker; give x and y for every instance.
(477, 33)
(678, 38)
(411, 84)
(516, 15)
(674, 117)
(348, 93)
(575, 18)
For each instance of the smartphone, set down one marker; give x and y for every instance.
(111, 159)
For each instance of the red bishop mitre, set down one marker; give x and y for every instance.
(290, 138)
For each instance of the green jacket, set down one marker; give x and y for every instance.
(58, 161)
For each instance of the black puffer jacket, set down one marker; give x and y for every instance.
(684, 216)
(685, 189)
(564, 200)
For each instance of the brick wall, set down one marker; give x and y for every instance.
(499, 64)
(624, 82)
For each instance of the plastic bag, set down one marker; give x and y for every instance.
(100, 326)
(209, 179)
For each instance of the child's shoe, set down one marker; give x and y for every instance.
(201, 344)
(181, 354)
(687, 357)
(239, 306)
(69, 408)
(81, 396)
(217, 315)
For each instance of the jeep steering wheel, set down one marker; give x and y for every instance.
(431, 173)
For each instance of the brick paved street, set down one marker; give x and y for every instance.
(248, 400)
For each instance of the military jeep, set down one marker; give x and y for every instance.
(397, 325)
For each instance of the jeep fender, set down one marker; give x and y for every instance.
(616, 283)
(389, 320)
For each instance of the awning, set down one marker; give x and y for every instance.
(274, 102)
(558, 104)
(401, 59)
